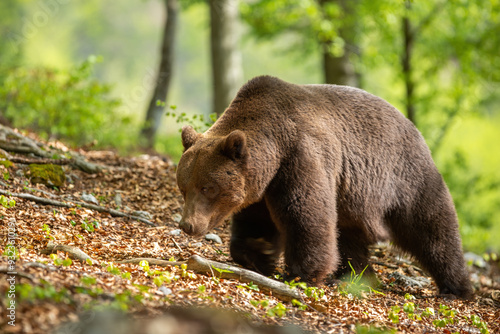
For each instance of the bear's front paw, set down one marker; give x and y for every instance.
(255, 253)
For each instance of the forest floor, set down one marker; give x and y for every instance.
(53, 291)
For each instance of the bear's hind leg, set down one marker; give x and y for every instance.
(430, 233)
(255, 241)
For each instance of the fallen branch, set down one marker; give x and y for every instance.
(203, 266)
(151, 261)
(26, 145)
(41, 161)
(5, 270)
(72, 204)
(73, 252)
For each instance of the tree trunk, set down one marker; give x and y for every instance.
(340, 70)
(227, 73)
(408, 41)
(157, 104)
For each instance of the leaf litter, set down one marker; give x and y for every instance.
(52, 294)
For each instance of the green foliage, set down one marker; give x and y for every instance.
(89, 226)
(46, 229)
(465, 183)
(373, 330)
(249, 286)
(444, 317)
(6, 202)
(355, 285)
(299, 304)
(44, 291)
(307, 21)
(88, 280)
(197, 121)
(113, 270)
(311, 292)
(393, 314)
(66, 262)
(279, 310)
(67, 104)
(11, 251)
(479, 324)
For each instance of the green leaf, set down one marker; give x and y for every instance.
(67, 262)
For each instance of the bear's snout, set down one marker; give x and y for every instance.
(186, 227)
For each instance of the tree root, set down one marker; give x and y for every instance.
(72, 204)
(204, 266)
(25, 145)
(5, 270)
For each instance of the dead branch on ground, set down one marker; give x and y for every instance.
(11, 141)
(73, 252)
(72, 204)
(204, 266)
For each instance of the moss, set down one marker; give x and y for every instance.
(50, 175)
(6, 163)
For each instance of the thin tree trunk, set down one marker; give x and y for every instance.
(227, 73)
(408, 42)
(340, 70)
(157, 104)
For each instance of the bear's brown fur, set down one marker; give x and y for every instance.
(319, 172)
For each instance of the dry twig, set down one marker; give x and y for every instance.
(72, 204)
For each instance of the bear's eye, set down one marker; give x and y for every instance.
(209, 191)
(204, 190)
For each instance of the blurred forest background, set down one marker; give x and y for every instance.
(116, 73)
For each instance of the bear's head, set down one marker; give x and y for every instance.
(211, 178)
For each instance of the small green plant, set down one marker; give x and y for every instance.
(6, 202)
(89, 226)
(66, 262)
(45, 290)
(11, 252)
(197, 121)
(479, 324)
(186, 273)
(113, 270)
(249, 286)
(144, 265)
(46, 229)
(428, 312)
(311, 292)
(314, 293)
(445, 315)
(260, 303)
(355, 286)
(88, 280)
(394, 314)
(360, 329)
(278, 310)
(299, 304)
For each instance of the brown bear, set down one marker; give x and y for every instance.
(319, 172)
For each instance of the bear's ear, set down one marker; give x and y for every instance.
(234, 146)
(189, 136)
